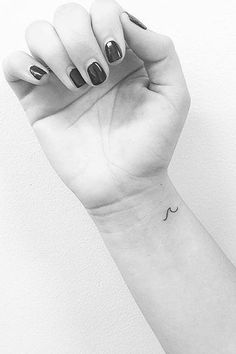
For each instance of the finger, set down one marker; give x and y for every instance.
(105, 16)
(73, 25)
(23, 71)
(157, 52)
(45, 44)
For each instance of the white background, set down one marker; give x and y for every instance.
(60, 291)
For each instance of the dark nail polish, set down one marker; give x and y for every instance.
(136, 21)
(113, 51)
(77, 78)
(37, 72)
(96, 73)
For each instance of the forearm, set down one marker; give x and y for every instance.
(181, 280)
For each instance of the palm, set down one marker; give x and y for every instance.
(108, 141)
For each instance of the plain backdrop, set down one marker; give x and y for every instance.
(60, 292)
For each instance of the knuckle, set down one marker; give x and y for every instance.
(168, 43)
(10, 61)
(36, 27)
(110, 4)
(105, 9)
(11, 58)
(67, 9)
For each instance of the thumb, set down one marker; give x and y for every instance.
(157, 52)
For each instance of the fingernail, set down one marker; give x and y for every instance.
(136, 21)
(77, 78)
(113, 51)
(96, 73)
(37, 72)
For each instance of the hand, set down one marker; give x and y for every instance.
(106, 141)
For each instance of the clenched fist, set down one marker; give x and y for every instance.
(106, 98)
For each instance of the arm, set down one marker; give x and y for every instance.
(181, 280)
(109, 130)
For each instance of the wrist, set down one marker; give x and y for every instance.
(139, 210)
(135, 229)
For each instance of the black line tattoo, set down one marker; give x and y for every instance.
(172, 211)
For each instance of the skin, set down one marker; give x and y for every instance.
(111, 145)
(83, 134)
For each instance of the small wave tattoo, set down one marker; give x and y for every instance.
(172, 211)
